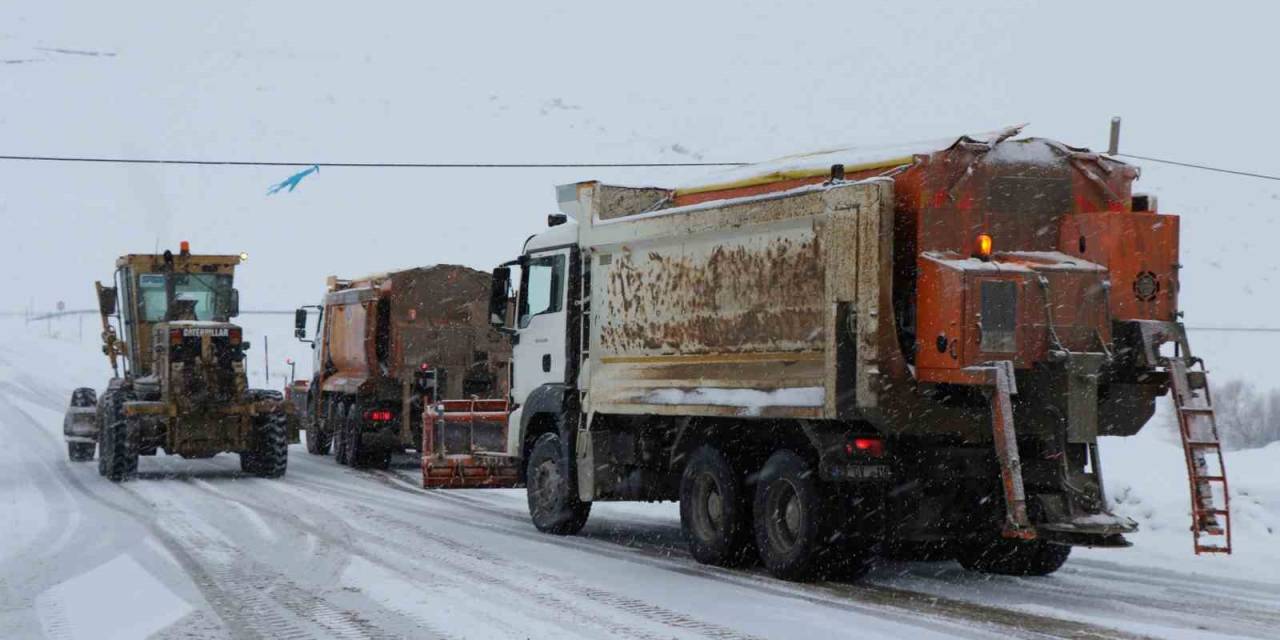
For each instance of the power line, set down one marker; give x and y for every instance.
(375, 165)
(1236, 329)
(501, 165)
(1203, 167)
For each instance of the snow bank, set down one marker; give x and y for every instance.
(1146, 479)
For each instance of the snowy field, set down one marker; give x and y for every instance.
(194, 550)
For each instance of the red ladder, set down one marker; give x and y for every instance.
(1210, 499)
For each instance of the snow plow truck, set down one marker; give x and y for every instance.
(389, 350)
(907, 351)
(179, 381)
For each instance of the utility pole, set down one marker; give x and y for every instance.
(1113, 148)
(266, 362)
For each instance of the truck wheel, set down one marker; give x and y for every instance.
(791, 532)
(271, 456)
(1014, 557)
(351, 429)
(715, 512)
(338, 423)
(80, 451)
(318, 439)
(552, 505)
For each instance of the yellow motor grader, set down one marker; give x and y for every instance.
(179, 380)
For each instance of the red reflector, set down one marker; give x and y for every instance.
(233, 336)
(175, 336)
(873, 447)
(378, 415)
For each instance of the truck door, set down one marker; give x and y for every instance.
(539, 351)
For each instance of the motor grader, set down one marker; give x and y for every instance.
(178, 364)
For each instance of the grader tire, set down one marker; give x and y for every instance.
(122, 451)
(108, 414)
(270, 456)
(80, 451)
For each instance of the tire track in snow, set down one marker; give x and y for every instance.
(460, 560)
(267, 602)
(864, 598)
(938, 624)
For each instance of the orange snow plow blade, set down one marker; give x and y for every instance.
(464, 445)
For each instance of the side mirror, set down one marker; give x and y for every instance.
(106, 299)
(498, 296)
(300, 324)
(234, 305)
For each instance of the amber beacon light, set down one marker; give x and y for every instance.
(983, 246)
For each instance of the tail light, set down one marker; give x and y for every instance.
(175, 337)
(873, 447)
(378, 415)
(234, 336)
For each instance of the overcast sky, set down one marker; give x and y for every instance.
(585, 82)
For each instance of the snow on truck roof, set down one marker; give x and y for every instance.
(855, 158)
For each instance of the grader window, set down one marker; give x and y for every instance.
(209, 293)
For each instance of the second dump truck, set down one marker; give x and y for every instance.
(387, 348)
(912, 351)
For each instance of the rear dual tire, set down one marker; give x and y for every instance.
(715, 510)
(348, 442)
(320, 432)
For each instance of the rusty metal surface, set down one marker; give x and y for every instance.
(691, 306)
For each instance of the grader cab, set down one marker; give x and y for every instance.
(179, 381)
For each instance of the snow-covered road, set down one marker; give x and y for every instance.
(193, 549)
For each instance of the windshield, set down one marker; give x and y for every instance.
(210, 292)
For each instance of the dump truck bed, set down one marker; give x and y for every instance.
(738, 307)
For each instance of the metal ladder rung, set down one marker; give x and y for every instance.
(1216, 512)
(1208, 444)
(1200, 410)
(1211, 478)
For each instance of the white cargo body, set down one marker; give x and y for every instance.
(734, 308)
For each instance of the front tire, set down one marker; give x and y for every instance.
(1014, 557)
(790, 525)
(553, 505)
(715, 512)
